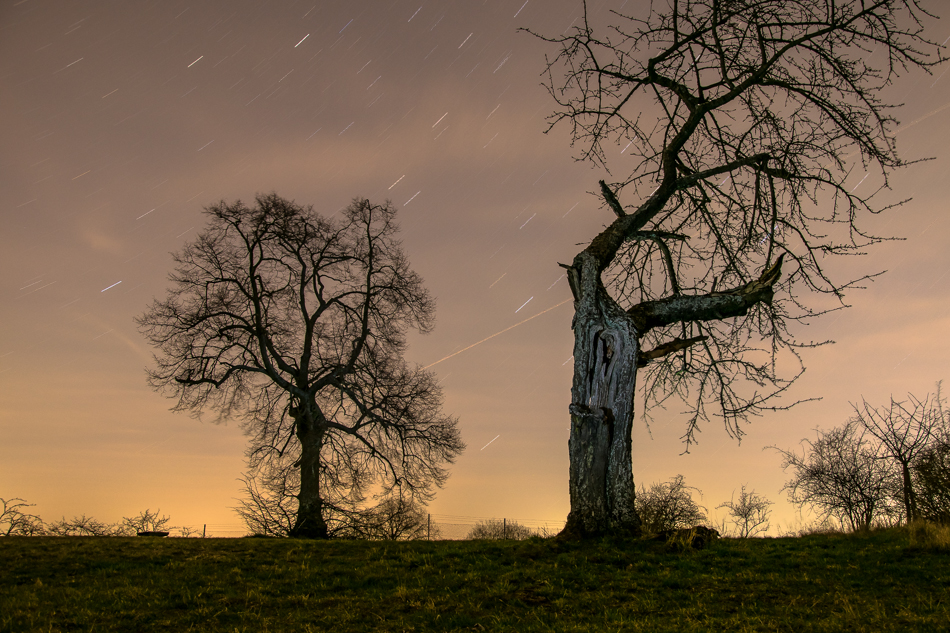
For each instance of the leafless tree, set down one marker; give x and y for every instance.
(748, 126)
(188, 532)
(905, 430)
(499, 529)
(296, 324)
(15, 521)
(396, 518)
(841, 476)
(147, 521)
(86, 526)
(669, 506)
(749, 514)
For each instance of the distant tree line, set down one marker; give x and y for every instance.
(17, 520)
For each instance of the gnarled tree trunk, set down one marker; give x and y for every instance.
(606, 348)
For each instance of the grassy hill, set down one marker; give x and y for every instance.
(886, 580)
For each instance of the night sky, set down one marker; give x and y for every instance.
(122, 120)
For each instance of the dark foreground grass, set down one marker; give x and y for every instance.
(872, 582)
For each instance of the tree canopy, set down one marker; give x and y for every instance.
(295, 324)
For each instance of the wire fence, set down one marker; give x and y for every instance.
(438, 527)
(448, 527)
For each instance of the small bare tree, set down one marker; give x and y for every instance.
(297, 324)
(840, 475)
(669, 506)
(741, 124)
(749, 514)
(905, 430)
(147, 521)
(15, 521)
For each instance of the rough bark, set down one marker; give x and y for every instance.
(606, 347)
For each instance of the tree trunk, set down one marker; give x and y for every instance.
(310, 522)
(605, 365)
(910, 499)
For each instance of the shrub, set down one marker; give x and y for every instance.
(668, 506)
(929, 536)
(498, 529)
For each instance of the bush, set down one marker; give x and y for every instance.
(929, 536)
(668, 506)
(395, 519)
(498, 529)
(932, 480)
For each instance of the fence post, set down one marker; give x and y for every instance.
(204, 530)
(504, 528)
(428, 527)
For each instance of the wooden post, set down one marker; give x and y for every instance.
(204, 530)
(428, 527)
(504, 528)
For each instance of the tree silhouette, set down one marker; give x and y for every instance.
(295, 323)
(841, 475)
(906, 431)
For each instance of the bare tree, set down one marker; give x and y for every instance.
(396, 518)
(841, 475)
(147, 521)
(669, 506)
(15, 521)
(744, 122)
(296, 324)
(749, 514)
(86, 526)
(905, 430)
(499, 529)
(188, 532)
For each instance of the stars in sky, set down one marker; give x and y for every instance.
(124, 121)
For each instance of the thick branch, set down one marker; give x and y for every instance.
(666, 349)
(709, 307)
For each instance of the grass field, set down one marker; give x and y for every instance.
(882, 581)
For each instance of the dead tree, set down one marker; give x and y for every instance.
(750, 125)
(295, 323)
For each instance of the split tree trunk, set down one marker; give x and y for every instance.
(606, 347)
(310, 522)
